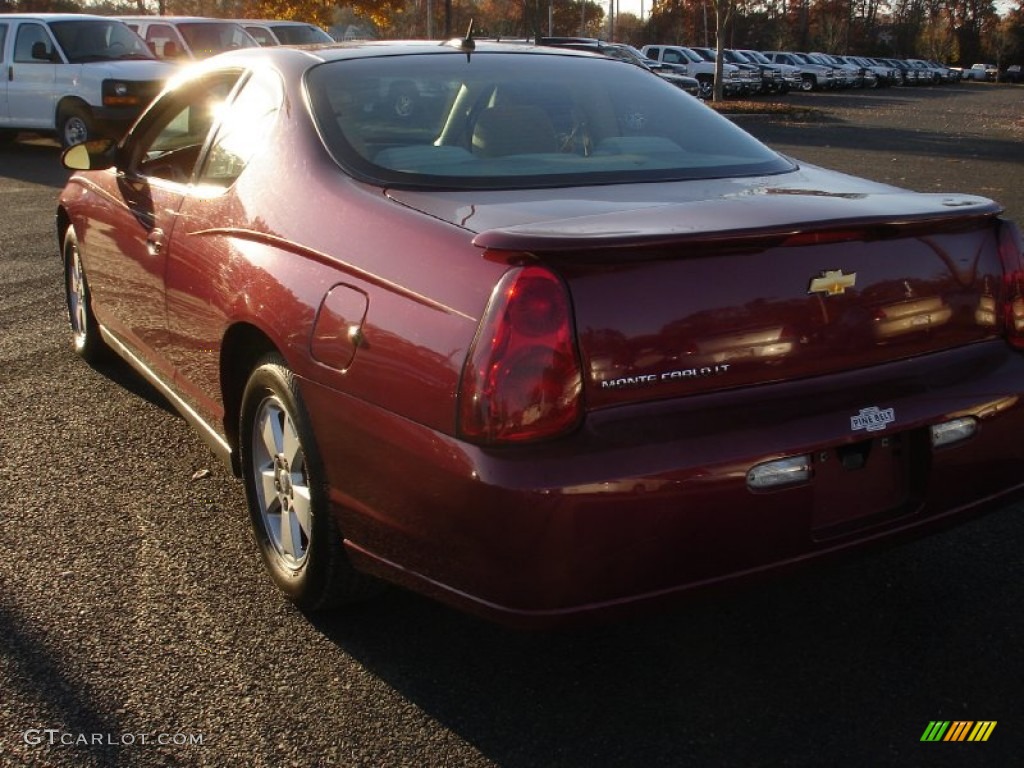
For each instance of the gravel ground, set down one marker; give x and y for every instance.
(133, 608)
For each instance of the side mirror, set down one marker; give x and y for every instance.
(42, 52)
(92, 155)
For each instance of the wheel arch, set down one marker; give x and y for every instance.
(67, 103)
(63, 222)
(241, 349)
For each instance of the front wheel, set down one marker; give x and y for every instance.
(807, 83)
(286, 492)
(75, 126)
(85, 332)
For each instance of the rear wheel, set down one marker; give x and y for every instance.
(286, 492)
(75, 125)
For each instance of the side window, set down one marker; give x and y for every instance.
(3, 38)
(244, 130)
(27, 38)
(261, 35)
(671, 57)
(170, 143)
(164, 41)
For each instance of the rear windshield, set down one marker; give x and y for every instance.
(513, 120)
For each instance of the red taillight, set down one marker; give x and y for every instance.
(1011, 253)
(522, 378)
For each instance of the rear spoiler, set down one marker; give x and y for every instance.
(768, 215)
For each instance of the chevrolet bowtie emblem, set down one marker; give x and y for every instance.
(833, 282)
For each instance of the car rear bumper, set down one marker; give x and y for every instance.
(649, 502)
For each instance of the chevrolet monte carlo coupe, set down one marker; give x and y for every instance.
(562, 343)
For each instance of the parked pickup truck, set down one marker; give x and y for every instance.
(686, 62)
(984, 72)
(74, 75)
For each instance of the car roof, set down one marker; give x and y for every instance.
(57, 17)
(358, 49)
(275, 22)
(175, 19)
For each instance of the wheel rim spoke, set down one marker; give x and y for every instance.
(291, 449)
(266, 487)
(271, 431)
(301, 507)
(288, 537)
(281, 486)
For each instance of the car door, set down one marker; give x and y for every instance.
(199, 261)
(128, 247)
(31, 76)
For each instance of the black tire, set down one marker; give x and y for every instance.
(287, 495)
(85, 332)
(807, 83)
(707, 87)
(7, 136)
(75, 125)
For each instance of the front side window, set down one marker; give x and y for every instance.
(165, 41)
(32, 45)
(508, 120)
(261, 36)
(169, 141)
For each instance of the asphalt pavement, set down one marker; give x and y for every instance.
(138, 629)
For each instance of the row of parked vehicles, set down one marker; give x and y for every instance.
(747, 72)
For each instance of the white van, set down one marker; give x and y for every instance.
(75, 75)
(189, 37)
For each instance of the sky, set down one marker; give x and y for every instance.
(630, 6)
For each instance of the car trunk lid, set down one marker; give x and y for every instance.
(770, 284)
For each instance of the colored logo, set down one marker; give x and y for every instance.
(832, 282)
(958, 730)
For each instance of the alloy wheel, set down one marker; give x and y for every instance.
(281, 482)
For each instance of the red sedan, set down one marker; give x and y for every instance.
(555, 342)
